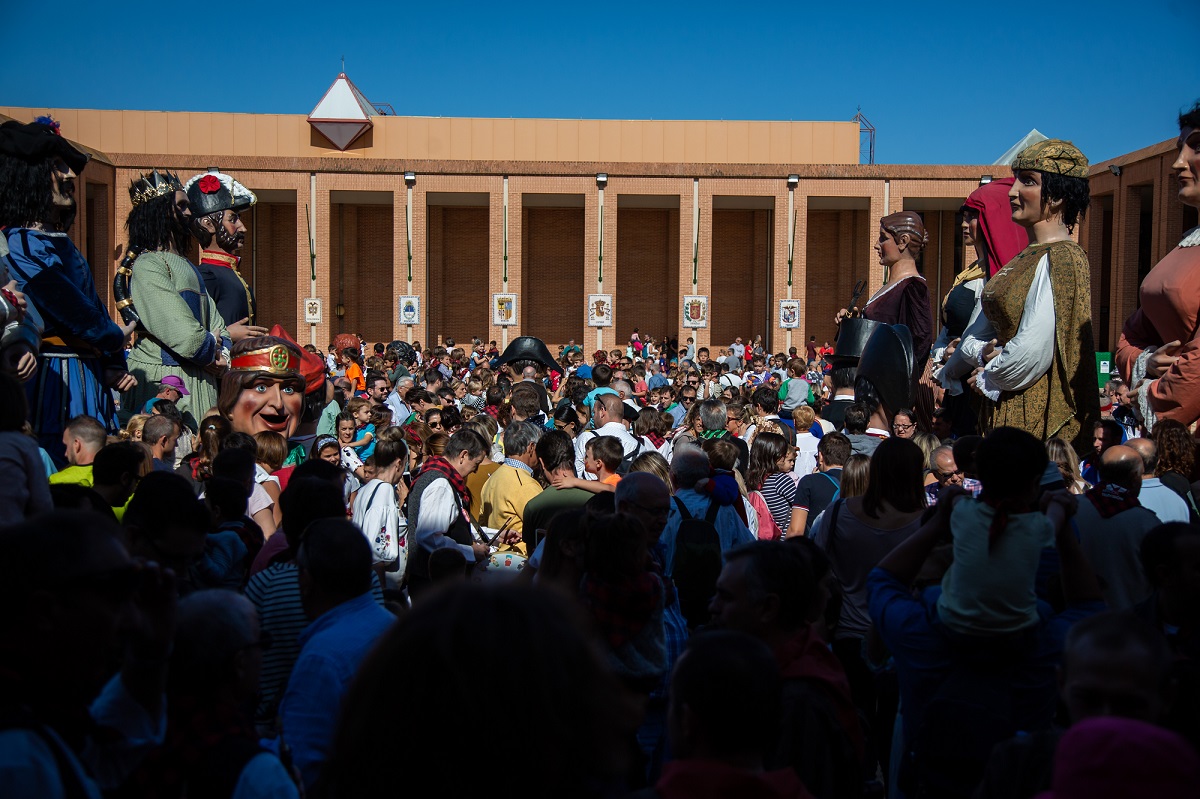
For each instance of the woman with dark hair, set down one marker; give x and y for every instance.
(1041, 297)
(1159, 350)
(770, 474)
(1176, 449)
(197, 465)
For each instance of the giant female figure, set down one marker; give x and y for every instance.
(1159, 350)
(1030, 352)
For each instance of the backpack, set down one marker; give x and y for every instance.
(768, 530)
(698, 562)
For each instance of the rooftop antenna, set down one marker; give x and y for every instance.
(866, 134)
(343, 65)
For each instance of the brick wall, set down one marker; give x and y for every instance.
(739, 275)
(459, 299)
(271, 236)
(835, 260)
(647, 272)
(361, 254)
(552, 261)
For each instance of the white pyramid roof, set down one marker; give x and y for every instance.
(343, 114)
(1032, 137)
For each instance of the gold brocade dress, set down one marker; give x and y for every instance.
(1064, 402)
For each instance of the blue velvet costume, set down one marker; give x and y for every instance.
(79, 342)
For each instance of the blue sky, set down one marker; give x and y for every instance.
(950, 83)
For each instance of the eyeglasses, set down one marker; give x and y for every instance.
(693, 382)
(732, 419)
(900, 428)
(687, 399)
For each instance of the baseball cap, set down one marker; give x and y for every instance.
(176, 383)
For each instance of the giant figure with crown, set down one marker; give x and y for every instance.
(181, 332)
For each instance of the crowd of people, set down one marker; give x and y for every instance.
(899, 565)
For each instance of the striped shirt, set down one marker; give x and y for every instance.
(778, 490)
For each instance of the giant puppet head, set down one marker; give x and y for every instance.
(217, 201)
(263, 389)
(38, 168)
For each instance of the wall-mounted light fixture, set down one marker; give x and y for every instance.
(1116, 170)
(340, 310)
(793, 181)
(985, 179)
(602, 180)
(410, 178)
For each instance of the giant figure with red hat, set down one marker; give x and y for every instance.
(82, 352)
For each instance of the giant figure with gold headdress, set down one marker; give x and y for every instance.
(1036, 364)
(181, 332)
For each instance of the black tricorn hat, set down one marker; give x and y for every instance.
(887, 362)
(528, 348)
(852, 338)
(36, 141)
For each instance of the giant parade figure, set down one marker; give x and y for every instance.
(82, 352)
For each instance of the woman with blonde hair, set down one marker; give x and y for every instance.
(133, 428)
(653, 463)
(689, 432)
(1064, 457)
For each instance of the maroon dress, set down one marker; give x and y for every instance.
(906, 303)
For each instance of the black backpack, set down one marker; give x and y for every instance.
(697, 562)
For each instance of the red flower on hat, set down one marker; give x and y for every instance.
(210, 184)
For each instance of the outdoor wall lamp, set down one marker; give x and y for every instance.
(1116, 170)
(410, 178)
(602, 180)
(793, 181)
(985, 179)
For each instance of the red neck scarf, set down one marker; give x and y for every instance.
(437, 463)
(1004, 237)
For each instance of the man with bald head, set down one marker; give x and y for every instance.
(608, 417)
(1112, 523)
(1166, 504)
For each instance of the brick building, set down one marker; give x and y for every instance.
(455, 211)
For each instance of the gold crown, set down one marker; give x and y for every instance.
(155, 184)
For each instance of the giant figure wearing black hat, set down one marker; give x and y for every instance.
(82, 354)
(217, 201)
(528, 352)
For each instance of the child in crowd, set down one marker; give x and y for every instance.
(795, 391)
(602, 457)
(364, 441)
(350, 460)
(473, 398)
(999, 538)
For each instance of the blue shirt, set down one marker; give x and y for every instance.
(332, 648)
(584, 371)
(731, 530)
(923, 649)
(657, 381)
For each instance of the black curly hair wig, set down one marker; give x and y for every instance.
(1073, 192)
(25, 192)
(153, 225)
